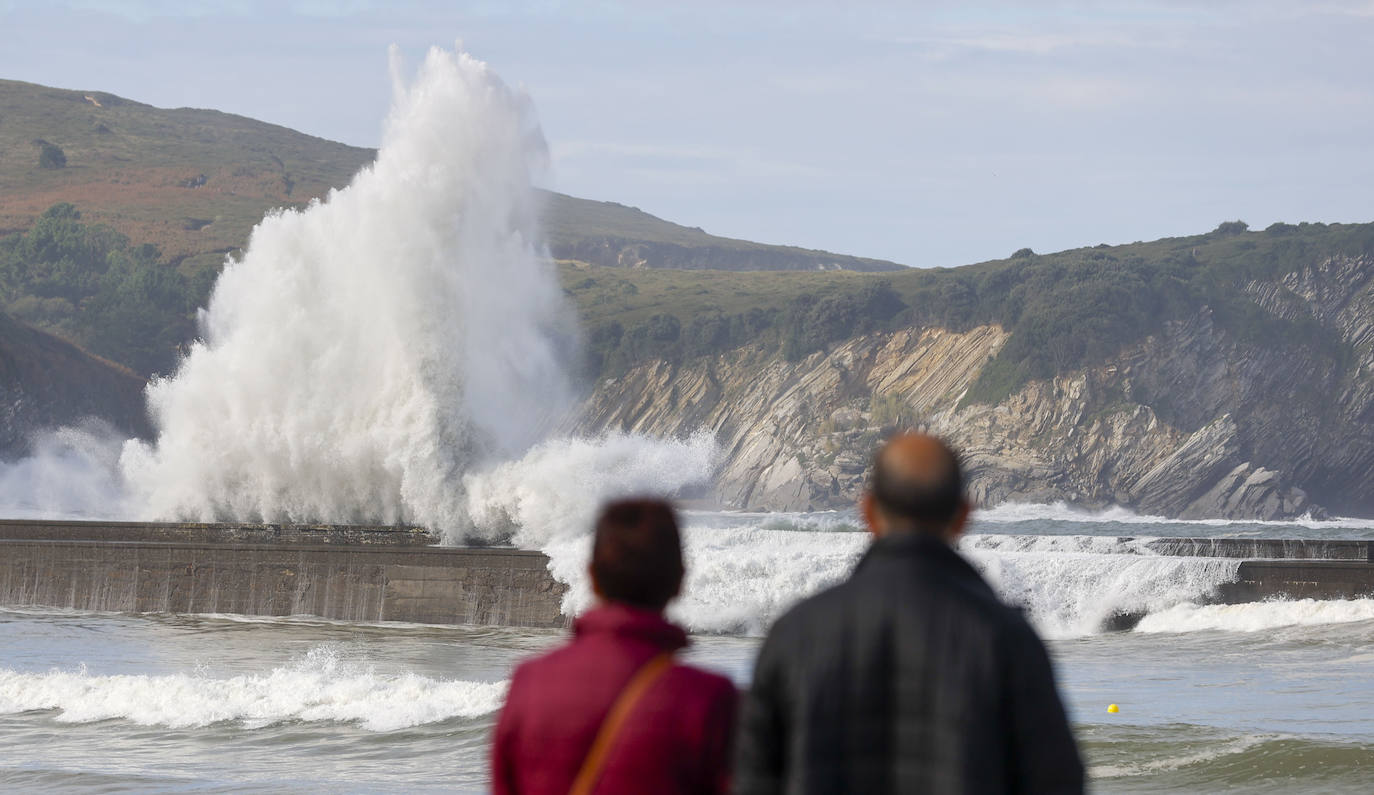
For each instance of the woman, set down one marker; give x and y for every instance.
(610, 711)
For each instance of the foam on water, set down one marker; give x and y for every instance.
(1071, 585)
(552, 494)
(738, 580)
(318, 688)
(742, 573)
(1207, 753)
(1257, 616)
(1060, 512)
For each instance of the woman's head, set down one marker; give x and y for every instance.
(637, 553)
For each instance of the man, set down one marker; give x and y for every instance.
(610, 712)
(911, 676)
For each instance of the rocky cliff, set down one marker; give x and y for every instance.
(1195, 421)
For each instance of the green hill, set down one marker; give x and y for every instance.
(92, 229)
(194, 182)
(613, 235)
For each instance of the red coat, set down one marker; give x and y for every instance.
(677, 740)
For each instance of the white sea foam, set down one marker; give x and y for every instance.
(367, 351)
(71, 473)
(741, 575)
(318, 688)
(1073, 593)
(1010, 512)
(1207, 754)
(738, 579)
(552, 493)
(1257, 616)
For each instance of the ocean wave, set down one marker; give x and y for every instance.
(1256, 616)
(1013, 512)
(1258, 762)
(318, 688)
(1168, 763)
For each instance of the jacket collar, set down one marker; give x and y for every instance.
(916, 546)
(621, 620)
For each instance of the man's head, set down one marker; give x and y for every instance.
(917, 487)
(637, 554)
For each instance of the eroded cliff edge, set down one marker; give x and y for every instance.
(1192, 422)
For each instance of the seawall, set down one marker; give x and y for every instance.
(344, 573)
(353, 573)
(1281, 568)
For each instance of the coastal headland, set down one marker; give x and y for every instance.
(365, 574)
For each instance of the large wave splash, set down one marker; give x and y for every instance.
(370, 349)
(392, 354)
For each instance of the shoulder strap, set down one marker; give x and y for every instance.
(621, 710)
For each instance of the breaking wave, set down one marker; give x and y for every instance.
(1257, 616)
(318, 688)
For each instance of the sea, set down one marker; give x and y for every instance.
(1267, 697)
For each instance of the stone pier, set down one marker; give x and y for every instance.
(353, 573)
(345, 573)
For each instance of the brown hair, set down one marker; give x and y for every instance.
(637, 553)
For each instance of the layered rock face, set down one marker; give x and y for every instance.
(1190, 423)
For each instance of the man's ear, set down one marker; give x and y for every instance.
(868, 508)
(959, 523)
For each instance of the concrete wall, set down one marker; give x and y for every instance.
(1299, 579)
(1280, 568)
(391, 574)
(1267, 548)
(351, 583)
(216, 533)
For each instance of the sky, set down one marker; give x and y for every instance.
(931, 134)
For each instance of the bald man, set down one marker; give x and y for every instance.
(911, 676)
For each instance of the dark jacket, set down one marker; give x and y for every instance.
(910, 677)
(677, 740)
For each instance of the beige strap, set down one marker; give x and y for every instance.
(621, 710)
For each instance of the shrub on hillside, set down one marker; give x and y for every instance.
(86, 282)
(51, 156)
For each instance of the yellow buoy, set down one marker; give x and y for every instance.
(1112, 708)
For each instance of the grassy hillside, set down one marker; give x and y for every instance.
(610, 234)
(115, 215)
(194, 182)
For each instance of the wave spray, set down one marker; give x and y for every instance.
(369, 351)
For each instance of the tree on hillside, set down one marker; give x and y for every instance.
(87, 283)
(50, 155)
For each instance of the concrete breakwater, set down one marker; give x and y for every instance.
(1282, 568)
(353, 573)
(345, 573)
